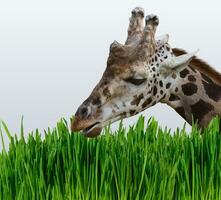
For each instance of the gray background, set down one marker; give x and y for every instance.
(52, 53)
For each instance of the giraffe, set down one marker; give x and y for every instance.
(145, 71)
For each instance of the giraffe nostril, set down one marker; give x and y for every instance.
(82, 112)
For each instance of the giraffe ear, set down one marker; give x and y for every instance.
(183, 60)
(177, 63)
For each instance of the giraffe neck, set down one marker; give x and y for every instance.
(194, 96)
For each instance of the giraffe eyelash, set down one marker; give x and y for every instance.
(135, 81)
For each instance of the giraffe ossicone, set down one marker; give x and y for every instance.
(144, 71)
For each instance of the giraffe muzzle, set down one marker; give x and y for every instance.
(88, 129)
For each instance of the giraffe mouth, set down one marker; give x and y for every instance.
(92, 130)
(95, 129)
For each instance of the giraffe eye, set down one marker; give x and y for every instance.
(135, 81)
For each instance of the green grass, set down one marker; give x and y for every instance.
(145, 162)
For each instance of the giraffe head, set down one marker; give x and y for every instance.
(133, 79)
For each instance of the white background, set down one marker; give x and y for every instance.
(52, 53)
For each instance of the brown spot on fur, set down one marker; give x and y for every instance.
(132, 112)
(212, 90)
(200, 109)
(153, 103)
(106, 92)
(184, 72)
(96, 101)
(189, 89)
(154, 90)
(191, 78)
(124, 114)
(173, 97)
(168, 85)
(137, 100)
(146, 102)
(150, 91)
(181, 112)
(163, 97)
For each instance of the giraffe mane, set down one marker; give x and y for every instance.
(201, 66)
